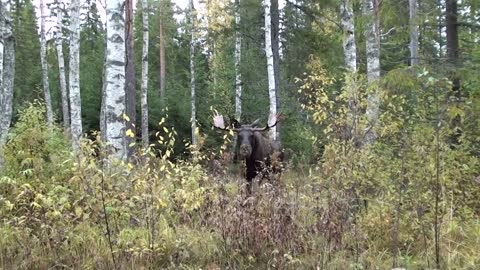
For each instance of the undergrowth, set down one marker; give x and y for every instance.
(356, 208)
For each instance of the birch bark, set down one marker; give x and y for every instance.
(192, 74)
(8, 73)
(349, 46)
(270, 66)
(238, 58)
(43, 60)
(144, 85)
(74, 76)
(61, 70)
(372, 36)
(275, 34)
(115, 80)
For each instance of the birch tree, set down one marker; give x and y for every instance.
(275, 34)
(270, 65)
(192, 74)
(144, 85)
(115, 80)
(350, 58)
(61, 68)
(349, 46)
(130, 76)
(74, 76)
(7, 72)
(43, 60)
(413, 32)
(238, 57)
(372, 37)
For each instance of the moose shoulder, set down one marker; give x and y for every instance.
(261, 154)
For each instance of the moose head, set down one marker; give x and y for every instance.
(254, 147)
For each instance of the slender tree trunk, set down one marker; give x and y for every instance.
(162, 55)
(61, 71)
(115, 81)
(43, 60)
(130, 77)
(451, 21)
(275, 34)
(270, 65)
(8, 73)
(144, 98)
(349, 46)
(74, 76)
(350, 58)
(372, 37)
(192, 74)
(413, 32)
(238, 57)
(238, 72)
(103, 119)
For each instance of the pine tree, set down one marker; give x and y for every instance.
(28, 70)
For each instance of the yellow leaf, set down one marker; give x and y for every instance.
(126, 118)
(130, 133)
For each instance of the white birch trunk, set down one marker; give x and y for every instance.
(192, 74)
(350, 58)
(8, 73)
(413, 32)
(373, 67)
(349, 47)
(238, 57)
(43, 60)
(61, 70)
(74, 76)
(115, 81)
(270, 68)
(144, 85)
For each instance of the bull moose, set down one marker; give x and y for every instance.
(258, 151)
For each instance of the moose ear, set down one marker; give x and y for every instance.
(255, 123)
(235, 123)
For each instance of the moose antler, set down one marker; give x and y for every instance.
(273, 120)
(218, 122)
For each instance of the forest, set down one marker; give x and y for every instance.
(239, 134)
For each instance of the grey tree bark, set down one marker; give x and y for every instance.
(192, 74)
(74, 75)
(43, 60)
(270, 65)
(115, 81)
(413, 32)
(162, 55)
(350, 58)
(372, 36)
(349, 46)
(144, 85)
(61, 70)
(238, 58)
(7, 72)
(131, 102)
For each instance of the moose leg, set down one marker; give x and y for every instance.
(250, 176)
